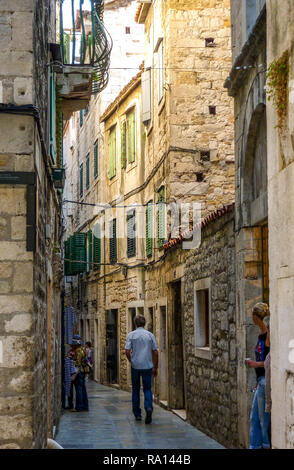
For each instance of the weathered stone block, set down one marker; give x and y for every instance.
(18, 228)
(18, 351)
(22, 31)
(18, 5)
(14, 251)
(5, 270)
(16, 303)
(23, 90)
(16, 427)
(5, 287)
(23, 383)
(19, 323)
(13, 200)
(16, 134)
(15, 405)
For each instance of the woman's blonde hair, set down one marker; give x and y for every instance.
(261, 310)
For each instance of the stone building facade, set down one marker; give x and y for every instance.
(280, 156)
(246, 84)
(30, 261)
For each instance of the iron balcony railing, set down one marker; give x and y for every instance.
(84, 39)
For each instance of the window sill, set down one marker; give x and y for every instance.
(203, 353)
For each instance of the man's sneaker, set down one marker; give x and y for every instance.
(148, 418)
(138, 418)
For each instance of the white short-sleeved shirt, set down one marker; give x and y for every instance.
(141, 343)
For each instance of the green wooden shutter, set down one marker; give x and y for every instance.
(149, 229)
(88, 171)
(131, 233)
(52, 116)
(112, 242)
(81, 117)
(96, 247)
(161, 218)
(90, 247)
(79, 253)
(131, 137)
(81, 180)
(96, 159)
(123, 145)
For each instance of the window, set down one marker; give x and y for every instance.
(131, 233)
(81, 117)
(52, 116)
(209, 42)
(205, 155)
(149, 229)
(112, 152)
(160, 75)
(123, 144)
(96, 159)
(161, 217)
(96, 247)
(199, 177)
(88, 171)
(112, 241)
(202, 318)
(128, 30)
(81, 180)
(131, 131)
(212, 109)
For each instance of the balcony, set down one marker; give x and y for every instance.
(85, 47)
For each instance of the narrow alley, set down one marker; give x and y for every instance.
(110, 424)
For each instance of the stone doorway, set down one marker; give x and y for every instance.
(111, 346)
(176, 353)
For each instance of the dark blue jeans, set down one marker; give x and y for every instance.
(146, 375)
(81, 392)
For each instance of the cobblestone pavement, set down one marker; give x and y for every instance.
(110, 424)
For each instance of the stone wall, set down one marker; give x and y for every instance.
(30, 293)
(211, 384)
(280, 199)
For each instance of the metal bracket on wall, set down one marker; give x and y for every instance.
(28, 179)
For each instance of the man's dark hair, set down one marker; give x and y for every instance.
(139, 320)
(88, 343)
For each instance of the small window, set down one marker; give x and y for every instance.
(81, 117)
(199, 177)
(128, 30)
(209, 42)
(160, 76)
(205, 155)
(131, 136)
(212, 109)
(202, 317)
(161, 217)
(112, 152)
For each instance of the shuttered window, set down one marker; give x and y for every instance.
(112, 241)
(81, 118)
(96, 159)
(131, 129)
(112, 153)
(149, 229)
(123, 144)
(75, 254)
(81, 180)
(96, 247)
(90, 252)
(88, 171)
(52, 116)
(131, 233)
(146, 96)
(161, 217)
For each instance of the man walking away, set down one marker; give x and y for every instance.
(142, 353)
